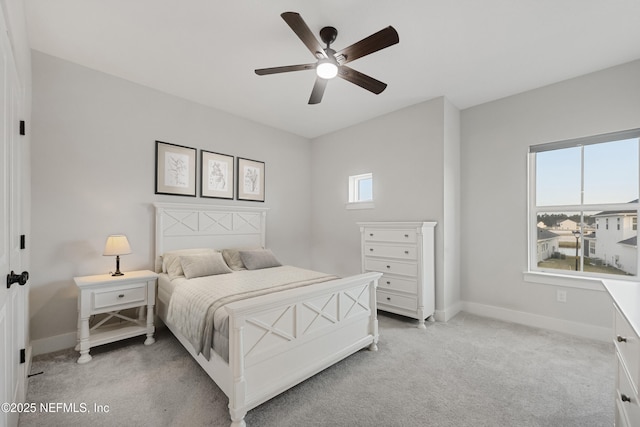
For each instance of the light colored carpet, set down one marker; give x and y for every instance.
(470, 371)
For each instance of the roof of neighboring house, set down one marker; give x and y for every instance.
(631, 241)
(605, 213)
(546, 234)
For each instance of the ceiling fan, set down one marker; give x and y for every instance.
(330, 63)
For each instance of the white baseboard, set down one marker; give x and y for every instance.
(448, 313)
(55, 343)
(535, 320)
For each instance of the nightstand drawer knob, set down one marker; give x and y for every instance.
(388, 282)
(121, 296)
(625, 398)
(388, 298)
(388, 266)
(371, 249)
(621, 339)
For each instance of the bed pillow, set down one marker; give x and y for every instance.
(232, 257)
(258, 259)
(203, 265)
(171, 260)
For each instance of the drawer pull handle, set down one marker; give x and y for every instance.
(621, 339)
(406, 252)
(625, 398)
(121, 296)
(406, 235)
(388, 266)
(371, 249)
(388, 282)
(388, 298)
(371, 234)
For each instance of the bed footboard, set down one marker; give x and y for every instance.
(277, 341)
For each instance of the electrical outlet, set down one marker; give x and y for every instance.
(561, 296)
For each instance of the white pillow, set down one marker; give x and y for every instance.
(203, 265)
(171, 260)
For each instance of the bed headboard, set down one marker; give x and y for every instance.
(184, 226)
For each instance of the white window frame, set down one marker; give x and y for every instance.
(354, 201)
(578, 279)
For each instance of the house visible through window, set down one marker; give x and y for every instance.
(576, 187)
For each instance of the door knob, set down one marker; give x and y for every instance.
(20, 279)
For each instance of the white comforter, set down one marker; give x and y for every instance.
(195, 305)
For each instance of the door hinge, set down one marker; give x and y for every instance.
(23, 241)
(23, 355)
(22, 128)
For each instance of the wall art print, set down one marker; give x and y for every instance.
(250, 180)
(217, 175)
(175, 169)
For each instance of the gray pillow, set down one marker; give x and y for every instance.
(204, 265)
(232, 257)
(258, 259)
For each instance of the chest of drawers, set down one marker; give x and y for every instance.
(626, 326)
(404, 253)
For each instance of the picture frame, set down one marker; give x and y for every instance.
(175, 169)
(250, 178)
(217, 174)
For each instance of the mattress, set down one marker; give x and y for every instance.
(196, 306)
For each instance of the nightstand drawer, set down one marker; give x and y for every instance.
(392, 251)
(386, 266)
(113, 298)
(397, 284)
(382, 235)
(386, 298)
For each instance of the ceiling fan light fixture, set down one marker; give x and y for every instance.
(326, 69)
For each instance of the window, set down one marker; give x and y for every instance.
(575, 186)
(360, 191)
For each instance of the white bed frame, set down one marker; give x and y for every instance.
(278, 340)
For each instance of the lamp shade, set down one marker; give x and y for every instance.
(117, 244)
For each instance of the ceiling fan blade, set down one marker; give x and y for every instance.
(301, 29)
(362, 80)
(285, 69)
(375, 42)
(318, 91)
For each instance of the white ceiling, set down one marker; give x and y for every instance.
(467, 50)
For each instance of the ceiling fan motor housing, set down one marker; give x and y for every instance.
(328, 35)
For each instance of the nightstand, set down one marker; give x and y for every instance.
(111, 294)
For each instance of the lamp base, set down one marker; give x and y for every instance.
(118, 273)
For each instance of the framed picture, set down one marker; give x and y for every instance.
(175, 169)
(250, 180)
(216, 175)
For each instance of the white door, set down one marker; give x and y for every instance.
(13, 300)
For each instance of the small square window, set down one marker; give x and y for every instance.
(361, 190)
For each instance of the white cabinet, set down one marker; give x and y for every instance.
(626, 325)
(110, 294)
(404, 253)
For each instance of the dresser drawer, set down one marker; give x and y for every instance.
(628, 346)
(386, 298)
(397, 284)
(395, 267)
(627, 397)
(387, 235)
(135, 294)
(392, 251)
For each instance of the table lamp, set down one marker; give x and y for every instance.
(117, 245)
